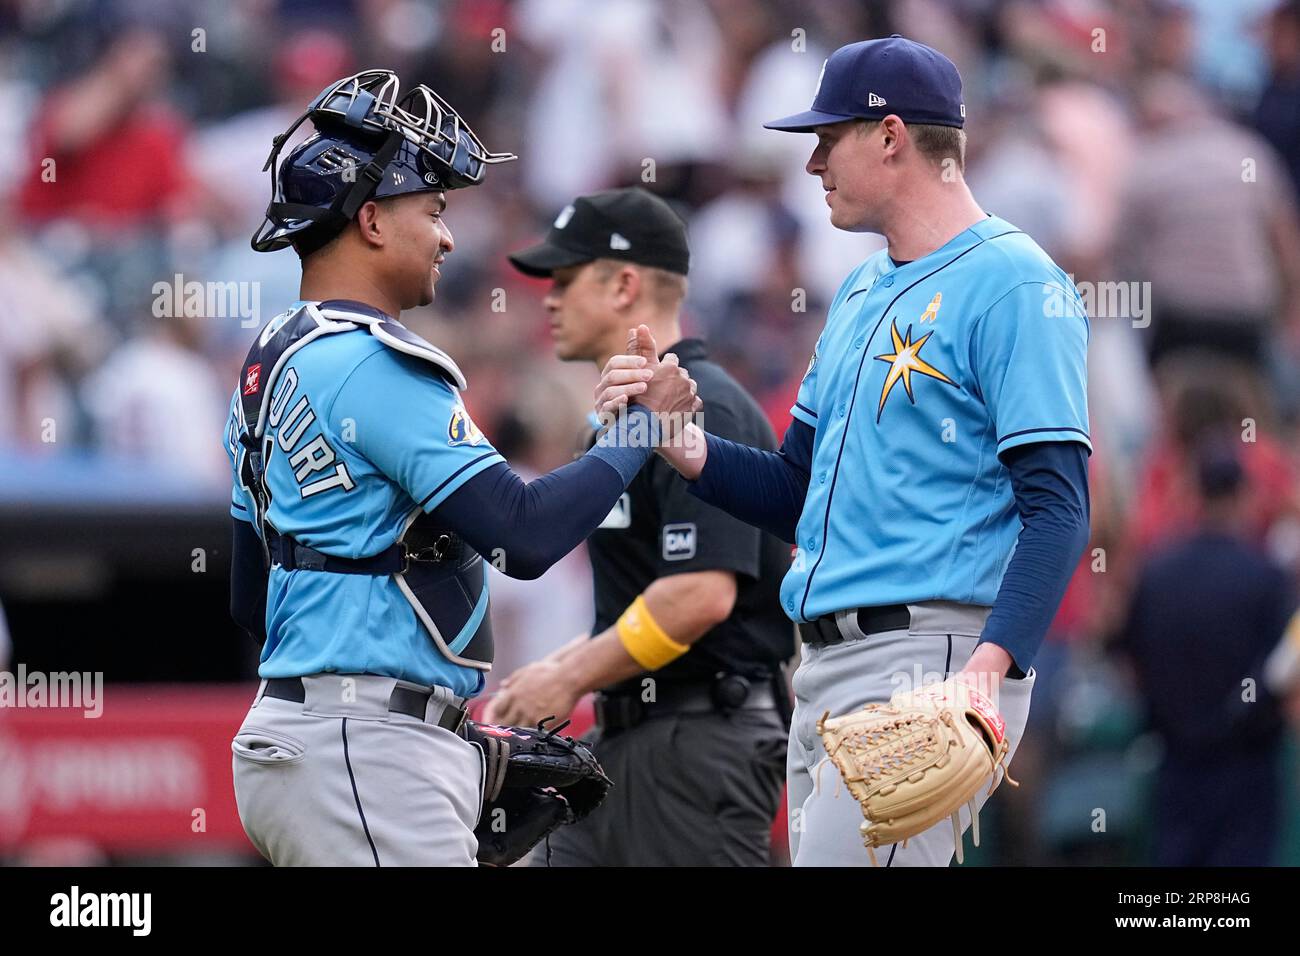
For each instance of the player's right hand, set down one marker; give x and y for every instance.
(629, 377)
(662, 386)
(624, 377)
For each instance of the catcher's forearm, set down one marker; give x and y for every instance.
(533, 524)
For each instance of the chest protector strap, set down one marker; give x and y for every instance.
(438, 573)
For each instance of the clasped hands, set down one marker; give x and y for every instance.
(661, 385)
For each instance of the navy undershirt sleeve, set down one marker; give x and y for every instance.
(762, 488)
(248, 580)
(1050, 484)
(535, 523)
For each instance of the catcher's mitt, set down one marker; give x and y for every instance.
(534, 781)
(917, 759)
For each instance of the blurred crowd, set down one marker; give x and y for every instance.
(1152, 147)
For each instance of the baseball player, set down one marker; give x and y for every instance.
(689, 638)
(364, 497)
(934, 479)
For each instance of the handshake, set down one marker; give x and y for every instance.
(662, 386)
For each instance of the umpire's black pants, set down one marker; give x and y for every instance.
(689, 790)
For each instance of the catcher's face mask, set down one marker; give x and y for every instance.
(370, 142)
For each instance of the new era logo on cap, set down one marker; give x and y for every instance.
(619, 242)
(563, 218)
(874, 78)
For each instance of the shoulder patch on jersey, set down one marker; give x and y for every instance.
(253, 379)
(812, 362)
(461, 430)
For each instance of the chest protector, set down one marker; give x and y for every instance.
(438, 573)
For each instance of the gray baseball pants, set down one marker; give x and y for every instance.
(824, 817)
(339, 780)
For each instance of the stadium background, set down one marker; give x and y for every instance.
(1088, 121)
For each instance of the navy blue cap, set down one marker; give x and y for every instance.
(874, 78)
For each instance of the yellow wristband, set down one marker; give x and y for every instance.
(645, 640)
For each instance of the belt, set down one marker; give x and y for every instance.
(403, 700)
(724, 695)
(293, 555)
(823, 631)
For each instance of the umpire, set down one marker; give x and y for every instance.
(689, 637)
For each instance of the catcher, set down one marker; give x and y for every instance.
(364, 496)
(934, 479)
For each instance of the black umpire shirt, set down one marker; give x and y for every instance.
(659, 529)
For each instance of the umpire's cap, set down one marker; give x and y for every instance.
(875, 78)
(629, 224)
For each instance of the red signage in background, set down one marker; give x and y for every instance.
(150, 774)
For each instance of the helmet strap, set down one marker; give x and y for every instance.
(368, 179)
(330, 222)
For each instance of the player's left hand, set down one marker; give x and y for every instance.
(535, 691)
(986, 669)
(918, 758)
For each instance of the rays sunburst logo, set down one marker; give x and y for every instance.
(903, 361)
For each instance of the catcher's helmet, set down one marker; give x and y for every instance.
(368, 144)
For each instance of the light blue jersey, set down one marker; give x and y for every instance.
(924, 375)
(364, 437)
